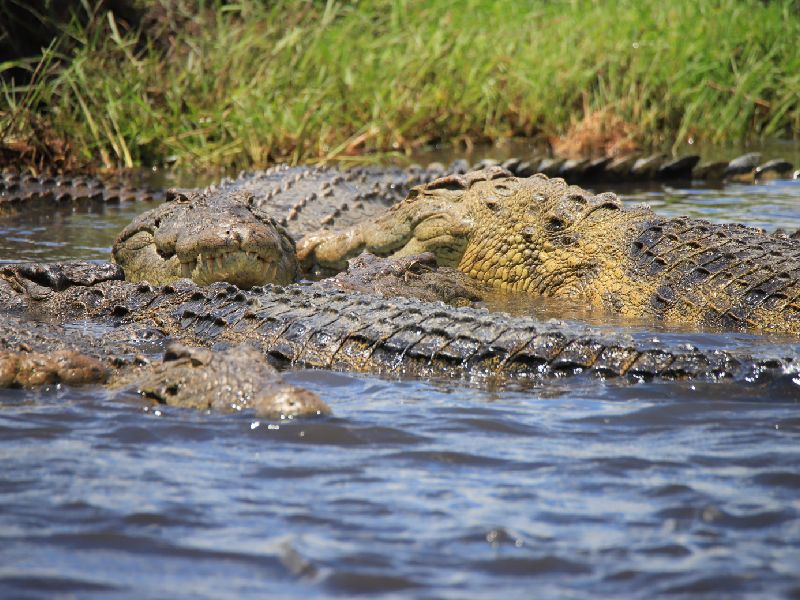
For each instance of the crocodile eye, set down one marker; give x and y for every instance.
(454, 183)
(577, 199)
(609, 200)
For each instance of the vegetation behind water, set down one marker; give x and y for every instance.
(244, 84)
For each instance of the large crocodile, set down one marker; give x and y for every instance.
(544, 237)
(322, 325)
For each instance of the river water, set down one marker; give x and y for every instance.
(575, 488)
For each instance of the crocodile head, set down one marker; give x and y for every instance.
(531, 233)
(237, 379)
(208, 237)
(435, 217)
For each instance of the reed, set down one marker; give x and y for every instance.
(245, 84)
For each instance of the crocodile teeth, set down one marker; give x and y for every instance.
(187, 268)
(271, 271)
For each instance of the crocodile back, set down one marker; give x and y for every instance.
(310, 199)
(721, 275)
(26, 189)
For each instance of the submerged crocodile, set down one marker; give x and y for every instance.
(328, 325)
(541, 236)
(306, 198)
(37, 353)
(23, 189)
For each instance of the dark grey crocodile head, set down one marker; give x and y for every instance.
(238, 378)
(207, 237)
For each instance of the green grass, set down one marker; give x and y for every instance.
(250, 83)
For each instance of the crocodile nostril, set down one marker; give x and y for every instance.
(555, 224)
(578, 198)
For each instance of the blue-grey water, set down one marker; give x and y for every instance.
(576, 488)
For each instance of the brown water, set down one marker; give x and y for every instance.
(432, 489)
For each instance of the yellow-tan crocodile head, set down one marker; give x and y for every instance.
(527, 234)
(207, 237)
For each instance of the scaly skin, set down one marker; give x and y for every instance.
(33, 369)
(319, 325)
(19, 188)
(310, 199)
(237, 379)
(415, 276)
(541, 236)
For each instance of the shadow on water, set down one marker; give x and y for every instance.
(446, 489)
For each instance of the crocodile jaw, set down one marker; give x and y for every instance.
(240, 267)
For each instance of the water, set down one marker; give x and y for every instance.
(433, 489)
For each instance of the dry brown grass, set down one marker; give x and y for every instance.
(599, 133)
(41, 152)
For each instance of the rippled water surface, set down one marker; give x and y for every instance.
(432, 489)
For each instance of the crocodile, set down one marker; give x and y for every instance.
(207, 236)
(541, 236)
(34, 354)
(23, 188)
(328, 325)
(635, 167)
